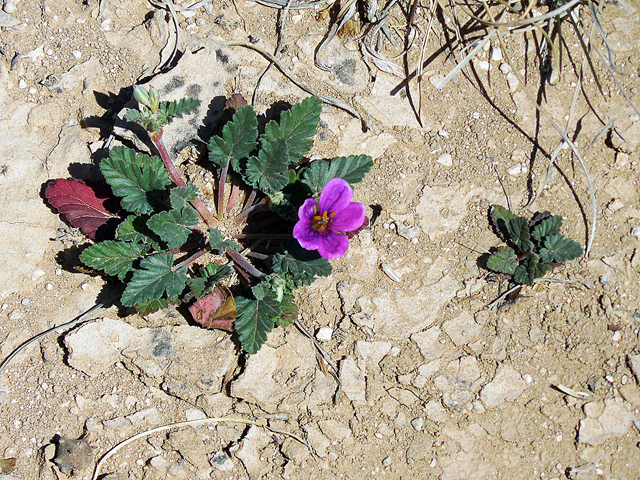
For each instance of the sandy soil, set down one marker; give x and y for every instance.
(433, 383)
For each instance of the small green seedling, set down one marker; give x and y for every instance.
(533, 248)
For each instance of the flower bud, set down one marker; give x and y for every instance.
(141, 95)
(154, 99)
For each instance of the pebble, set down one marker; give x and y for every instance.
(634, 117)
(506, 386)
(221, 461)
(515, 170)
(195, 414)
(505, 68)
(513, 82)
(634, 364)
(417, 423)
(386, 268)
(496, 55)
(25, 301)
(445, 159)
(324, 334)
(635, 231)
(484, 65)
(22, 83)
(77, 54)
(527, 378)
(15, 315)
(617, 335)
(36, 274)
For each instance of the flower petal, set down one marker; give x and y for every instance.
(336, 195)
(333, 245)
(303, 230)
(349, 218)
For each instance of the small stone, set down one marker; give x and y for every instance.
(36, 274)
(15, 315)
(324, 334)
(496, 55)
(353, 381)
(515, 170)
(149, 415)
(445, 159)
(72, 455)
(604, 420)
(221, 461)
(22, 84)
(513, 82)
(428, 343)
(505, 68)
(617, 335)
(195, 414)
(634, 117)
(635, 231)
(634, 364)
(77, 54)
(527, 378)
(417, 423)
(506, 386)
(160, 463)
(48, 286)
(484, 65)
(435, 412)
(386, 461)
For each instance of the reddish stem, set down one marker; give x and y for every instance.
(233, 198)
(242, 216)
(188, 261)
(252, 197)
(267, 236)
(244, 263)
(175, 176)
(223, 179)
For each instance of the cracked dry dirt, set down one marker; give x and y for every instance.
(433, 384)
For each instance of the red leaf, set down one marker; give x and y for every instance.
(79, 203)
(217, 309)
(235, 101)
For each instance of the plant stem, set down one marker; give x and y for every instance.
(267, 236)
(207, 216)
(233, 198)
(188, 261)
(244, 263)
(252, 197)
(223, 179)
(242, 216)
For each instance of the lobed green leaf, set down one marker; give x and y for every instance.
(267, 171)
(168, 111)
(548, 226)
(238, 139)
(500, 216)
(558, 249)
(504, 261)
(135, 177)
(300, 266)
(352, 169)
(288, 311)
(207, 278)
(134, 229)
(256, 316)
(173, 226)
(218, 242)
(518, 233)
(113, 257)
(145, 308)
(154, 279)
(181, 196)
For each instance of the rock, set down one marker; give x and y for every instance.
(459, 382)
(387, 105)
(417, 423)
(407, 232)
(335, 430)
(215, 405)
(435, 412)
(7, 20)
(353, 381)
(506, 386)
(419, 449)
(445, 159)
(187, 360)
(72, 455)
(634, 365)
(584, 472)
(221, 461)
(194, 414)
(77, 78)
(251, 447)
(428, 343)
(275, 378)
(318, 441)
(442, 209)
(372, 352)
(604, 420)
(352, 141)
(324, 334)
(462, 329)
(149, 415)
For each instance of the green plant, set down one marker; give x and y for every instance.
(170, 248)
(533, 248)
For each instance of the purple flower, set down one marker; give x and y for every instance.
(323, 225)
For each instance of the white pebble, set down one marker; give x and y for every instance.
(76, 53)
(496, 55)
(194, 414)
(22, 83)
(44, 386)
(417, 423)
(634, 117)
(395, 351)
(527, 378)
(513, 81)
(414, 240)
(48, 286)
(84, 286)
(609, 378)
(505, 68)
(443, 133)
(515, 170)
(559, 438)
(433, 463)
(635, 231)
(5, 306)
(324, 334)
(25, 301)
(390, 273)
(617, 335)
(484, 65)
(15, 315)
(58, 271)
(36, 274)
(445, 159)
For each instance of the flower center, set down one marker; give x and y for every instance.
(322, 222)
